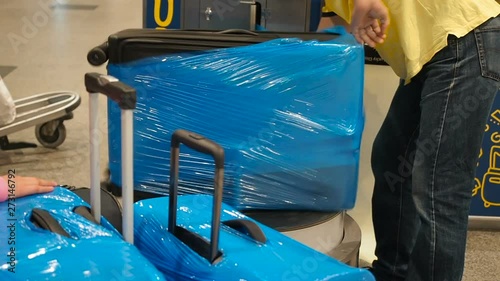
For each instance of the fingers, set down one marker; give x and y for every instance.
(375, 33)
(42, 189)
(358, 37)
(31, 185)
(369, 22)
(43, 182)
(384, 25)
(369, 36)
(365, 37)
(355, 28)
(43, 186)
(377, 30)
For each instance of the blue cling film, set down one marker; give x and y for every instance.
(92, 252)
(288, 113)
(277, 258)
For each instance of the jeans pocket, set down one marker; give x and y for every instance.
(488, 46)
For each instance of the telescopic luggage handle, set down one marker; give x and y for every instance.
(125, 96)
(210, 250)
(206, 146)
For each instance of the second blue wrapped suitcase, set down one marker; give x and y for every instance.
(196, 237)
(57, 235)
(53, 237)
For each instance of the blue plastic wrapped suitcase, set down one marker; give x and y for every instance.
(53, 237)
(197, 237)
(58, 236)
(286, 108)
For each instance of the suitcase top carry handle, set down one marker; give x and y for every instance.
(43, 219)
(238, 32)
(124, 95)
(247, 227)
(203, 145)
(200, 144)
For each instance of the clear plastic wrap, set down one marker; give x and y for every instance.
(288, 113)
(243, 258)
(91, 252)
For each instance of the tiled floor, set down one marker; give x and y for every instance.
(44, 48)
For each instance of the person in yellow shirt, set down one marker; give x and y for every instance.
(447, 54)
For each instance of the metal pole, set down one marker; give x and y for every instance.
(95, 185)
(127, 118)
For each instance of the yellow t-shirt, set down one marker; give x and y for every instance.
(419, 28)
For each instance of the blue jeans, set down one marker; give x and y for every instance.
(424, 159)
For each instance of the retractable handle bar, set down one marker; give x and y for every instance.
(126, 98)
(206, 146)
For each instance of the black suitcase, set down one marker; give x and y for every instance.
(133, 44)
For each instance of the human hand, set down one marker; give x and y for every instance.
(30, 185)
(370, 20)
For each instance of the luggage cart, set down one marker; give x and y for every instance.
(47, 113)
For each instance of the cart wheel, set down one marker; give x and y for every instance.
(51, 134)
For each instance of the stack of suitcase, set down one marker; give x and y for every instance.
(197, 237)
